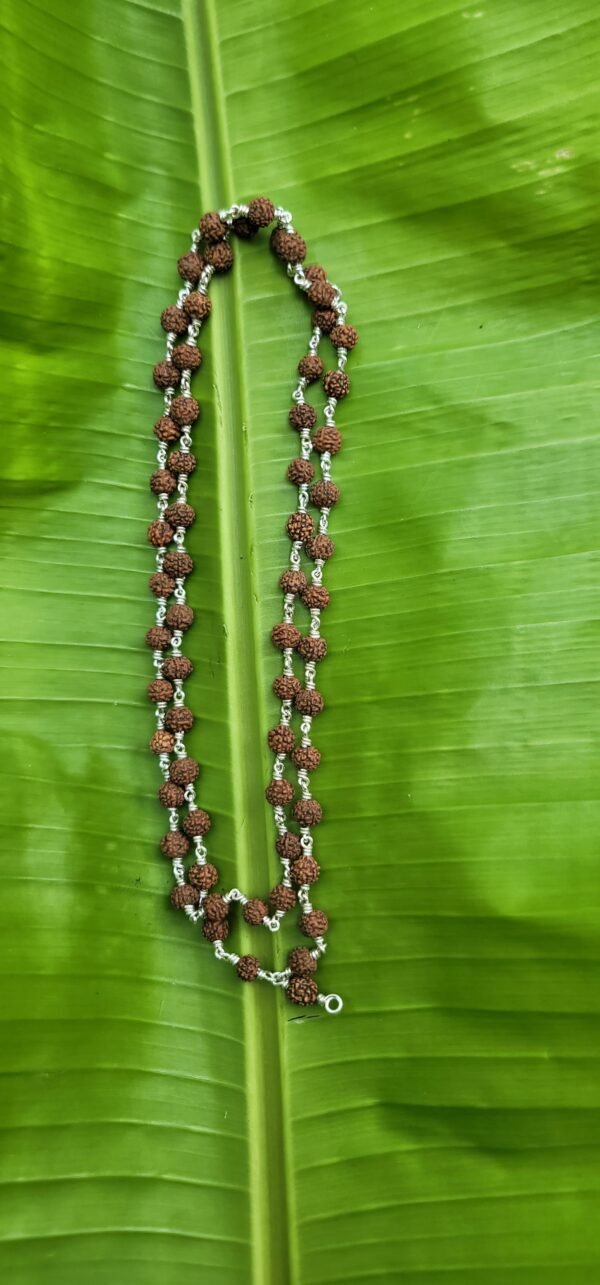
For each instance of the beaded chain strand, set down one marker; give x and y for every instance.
(194, 890)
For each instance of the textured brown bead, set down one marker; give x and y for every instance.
(212, 226)
(315, 597)
(215, 906)
(197, 822)
(182, 462)
(187, 357)
(254, 911)
(162, 742)
(320, 547)
(243, 228)
(284, 636)
(184, 771)
(324, 494)
(302, 991)
(165, 375)
(281, 739)
(158, 637)
(300, 471)
(203, 875)
(314, 924)
(174, 320)
(305, 870)
(286, 686)
(261, 211)
(312, 648)
(322, 293)
(177, 667)
(160, 534)
(327, 439)
(161, 584)
(278, 793)
(336, 384)
(302, 416)
(301, 961)
(215, 929)
(166, 430)
(183, 894)
(299, 526)
(159, 690)
(162, 482)
(307, 757)
(247, 968)
(178, 564)
(344, 336)
(179, 719)
(185, 410)
(282, 897)
(324, 318)
(189, 266)
(197, 306)
(180, 514)
(293, 581)
(311, 367)
(180, 616)
(288, 845)
(174, 844)
(308, 812)
(309, 701)
(220, 255)
(315, 272)
(288, 246)
(171, 796)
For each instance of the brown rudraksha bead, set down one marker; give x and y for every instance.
(311, 367)
(300, 471)
(321, 293)
(203, 875)
(344, 336)
(324, 318)
(302, 991)
(177, 667)
(247, 968)
(215, 929)
(302, 415)
(306, 757)
(185, 410)
(288, 845)
(243, 228)
(162, 742)
(180, 616)
(174, 320)
(170, 795)
(314, 924)
(183, 894)
(212, 226)
(288, 246)
(162, 482)
(278, 793)
(166, 430)
(197, 822)
(299, 526)
(187, 357)
(308, 812)
(254, 911)
(158, 637)
(180, 514)
(284, 636)
(328, 439)
(315, 272)
(293, 581)
(165, 375)
(197, 306)
(174, 844)
(310, 648)
(261, 211)
(161, 584)
(305, 870)
(189, 266)
(335, 383)
(309, 701)
(178, 564)
(315, 597)
(184, 771)
(282, 898)
(286, 686)
(160, 534)
(280, 739)
(301, 961)
(215, 906)
(324, 494)
(220, 255)
(179, 719)
(183, 462)
(319, 547)
(159, 690)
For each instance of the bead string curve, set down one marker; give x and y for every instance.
(211, 253)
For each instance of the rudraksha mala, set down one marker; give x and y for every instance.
(194, 892)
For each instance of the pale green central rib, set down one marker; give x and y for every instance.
(267, 1168)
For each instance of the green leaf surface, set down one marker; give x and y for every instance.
(164, 1125)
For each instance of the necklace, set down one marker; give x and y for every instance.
(211, 253)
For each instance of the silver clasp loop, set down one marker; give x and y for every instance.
(332, 1003)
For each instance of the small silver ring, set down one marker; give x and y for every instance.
(333, 1003)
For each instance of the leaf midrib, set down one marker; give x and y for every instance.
(266, 1144)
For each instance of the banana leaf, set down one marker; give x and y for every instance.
(161, 1122)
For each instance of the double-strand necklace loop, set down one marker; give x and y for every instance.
(195, 887)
